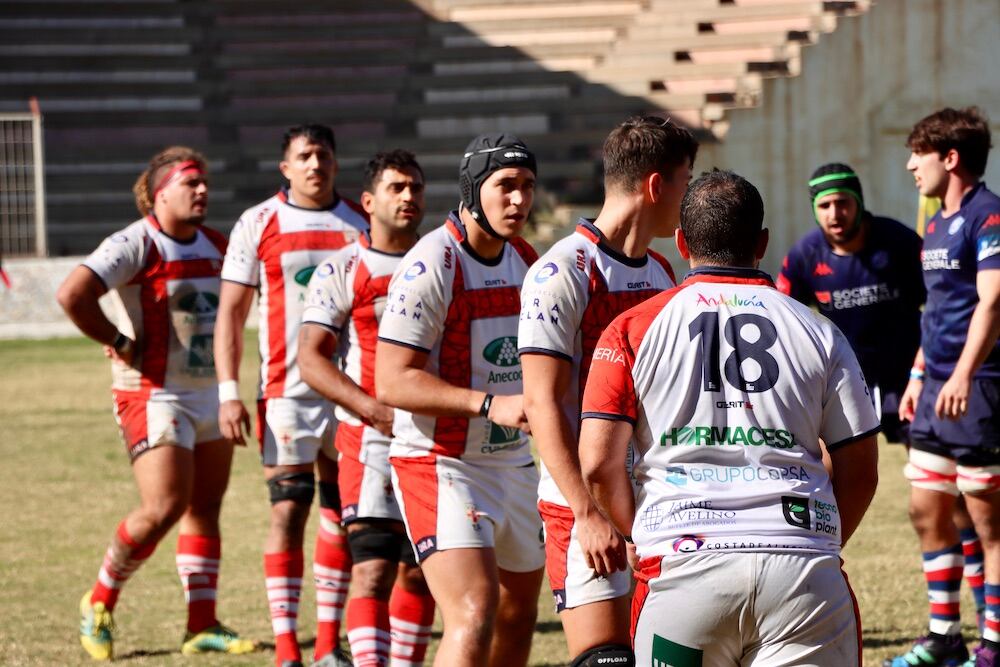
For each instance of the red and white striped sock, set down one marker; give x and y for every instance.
(368, 631)
(332, 573)
(122, 559)
(410, 618)
(283, 571)
(198, 567)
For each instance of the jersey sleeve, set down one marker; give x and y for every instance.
(848, 411)
(241, 264)
(790, 278)
(988, 242)
(328, 298)
(553, 299)
(418, 300)
(610, 389)
(119, 257)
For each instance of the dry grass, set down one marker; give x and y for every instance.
(65, 483)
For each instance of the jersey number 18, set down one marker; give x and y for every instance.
(706, 325)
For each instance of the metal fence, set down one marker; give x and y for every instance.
(22, 184)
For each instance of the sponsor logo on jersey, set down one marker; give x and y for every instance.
(666, 653)
(651, 518)
(327, 268)
(426, 546)
(501, 437)
(748, 474)
(398, 305)
(199, 303)
(822, 269)
(956, 225)
(686, 544)
(992, 221)
(538, 313)
(609, 354)
(640, 284)
(734, 300)
(988, 247)
(937, 260)
(546, 272)
(502, 352)
(698, 512)
(676, 475)
(745, 436)
(201, 357)
(303, 275)
(416, 269)
(863, 295)
(823, 297)
(734, 404)
(796, 511)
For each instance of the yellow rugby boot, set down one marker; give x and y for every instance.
(216, 639)
(96, 628)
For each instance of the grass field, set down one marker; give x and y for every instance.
(65, 483)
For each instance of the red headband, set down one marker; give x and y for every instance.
(187, 165)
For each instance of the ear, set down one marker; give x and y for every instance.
(951, 159)
(682, 244)
(762, 240)
(283, 167)
(652, 186)
(368, 202)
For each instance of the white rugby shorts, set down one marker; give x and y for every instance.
(293, 431)
(147, 422)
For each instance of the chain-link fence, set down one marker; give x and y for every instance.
(22, 185)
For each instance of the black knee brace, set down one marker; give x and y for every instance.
(605, 655)
(375, 541)
(329, 496)
(299, 487)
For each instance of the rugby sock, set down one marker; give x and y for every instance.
(410, 618)
(368, 632)
(943, 572)
(283, 571)
(122, 559)
(972, 548)
(991, 629)
(332, 572)
(198, 567)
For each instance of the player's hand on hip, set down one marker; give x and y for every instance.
(234, 421)
(908, 402)
(125, 356)
(509, 411)
(602, 546)
(953, 399)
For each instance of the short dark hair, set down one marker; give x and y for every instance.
(966, 130)
(315, 133)
(397, 159)
(643, 145)
(721, 217)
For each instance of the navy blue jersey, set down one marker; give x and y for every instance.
(955, 249)
(873, 296)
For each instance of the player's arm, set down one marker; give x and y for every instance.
(316, 347)
(79, 297)
(402, 381)
(546, 381)
(953, 399)
(855, 477)
(235, 300)
(603, 448)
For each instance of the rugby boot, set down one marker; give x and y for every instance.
(983, 656)
(96, 628)
(337, 658)
(216, 639)
(933, 651)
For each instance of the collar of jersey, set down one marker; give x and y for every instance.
(286, 199)
(728, 274)
(586, 228)
(155, 224)
(456, 228)
(365, 241)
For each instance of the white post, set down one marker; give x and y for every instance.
(41, 233)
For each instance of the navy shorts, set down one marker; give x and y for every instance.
(894, 429)
(973, 440)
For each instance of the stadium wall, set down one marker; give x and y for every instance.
(860, 91)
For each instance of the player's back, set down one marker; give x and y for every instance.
(734, 385)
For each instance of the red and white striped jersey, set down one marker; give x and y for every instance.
(569, 297)
(166, 293)
(347, 295)
(730, 385)
(462, 310)
(275, 247)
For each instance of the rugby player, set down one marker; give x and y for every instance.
(344, 305)
(163, 272)
(273, 249)
(447, 359)
(863, 272)
(953, 397)
(569, 296)
(728, 387)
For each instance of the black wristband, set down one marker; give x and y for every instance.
(628, 539)
(484, 409)
(120, 341)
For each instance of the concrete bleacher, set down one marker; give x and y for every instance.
(117, 80)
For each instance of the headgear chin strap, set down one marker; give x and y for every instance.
(484, 155)
(837, 177)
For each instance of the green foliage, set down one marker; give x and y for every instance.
(65, 484)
